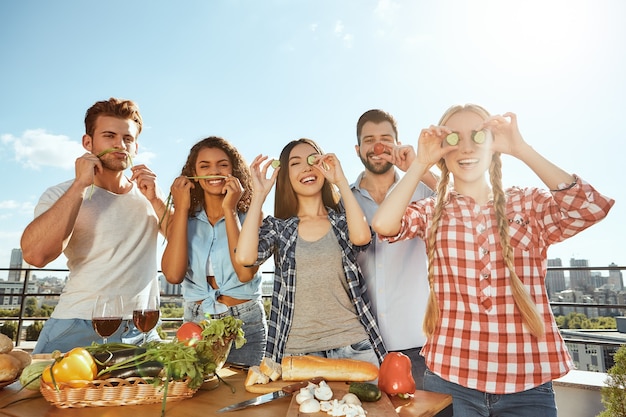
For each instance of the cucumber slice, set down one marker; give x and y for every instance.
(479, 137)
(311, 159)
(452, 139)
(275, 163)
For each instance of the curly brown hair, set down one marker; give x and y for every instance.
(240, 170)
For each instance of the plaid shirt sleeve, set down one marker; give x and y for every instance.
(414, 221)
(572, 210)
(278, 238)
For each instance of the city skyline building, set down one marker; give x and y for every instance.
(555, 280)
(579, 279)
(16, 263)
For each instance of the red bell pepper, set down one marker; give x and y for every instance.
(395, 377)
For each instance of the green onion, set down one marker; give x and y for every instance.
(110, 150)
(207, 177)
(168, 207)
(104, 152)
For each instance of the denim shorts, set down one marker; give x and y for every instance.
(254, 327)
(467, 402)
(66, 334)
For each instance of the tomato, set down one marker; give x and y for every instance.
(189, 333)
(379, 148)
(73, 368)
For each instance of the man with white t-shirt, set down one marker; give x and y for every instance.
(107, 226)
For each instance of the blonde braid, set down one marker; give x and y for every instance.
(522, 298)
(431, 316)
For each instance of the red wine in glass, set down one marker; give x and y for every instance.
(107, 315)
(106, 326)
(145, 320)
(146, 315)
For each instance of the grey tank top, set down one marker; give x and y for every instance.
(324, 317)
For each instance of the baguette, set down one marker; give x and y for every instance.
(301, 368)
(255, 376)
(270, 368)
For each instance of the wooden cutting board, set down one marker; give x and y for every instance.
(271, 386)
(380, 408)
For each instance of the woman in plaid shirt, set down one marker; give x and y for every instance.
(319, 304)
(492, 342)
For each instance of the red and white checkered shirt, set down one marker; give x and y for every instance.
(479, 341)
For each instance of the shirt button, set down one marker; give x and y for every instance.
(484, 251)
(480, 228)
(485, 276)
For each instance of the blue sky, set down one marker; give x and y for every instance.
(261, 73)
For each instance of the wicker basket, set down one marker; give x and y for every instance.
(114, 392)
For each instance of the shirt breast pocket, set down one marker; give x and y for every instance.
(520, 232)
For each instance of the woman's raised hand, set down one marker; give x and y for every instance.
(232, 190)
(430, 145)
(330, 167)
(180, 191)
(258, 169)
(507, 138)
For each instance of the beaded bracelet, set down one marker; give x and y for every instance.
(566, 187)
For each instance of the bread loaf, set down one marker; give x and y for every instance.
(255, 376)
(10, 367)
(301, 368)
(270, 368)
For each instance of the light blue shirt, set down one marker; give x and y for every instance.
(397, 278)
(207, 241)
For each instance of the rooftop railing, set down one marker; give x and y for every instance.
(26, 273)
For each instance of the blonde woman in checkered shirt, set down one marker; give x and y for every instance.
(492, 342)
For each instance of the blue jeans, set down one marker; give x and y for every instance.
(254, 327)
(418, 365)
(66, 334)
(467, 402)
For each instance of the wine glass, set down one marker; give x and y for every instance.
(146, 315)
(107, 315)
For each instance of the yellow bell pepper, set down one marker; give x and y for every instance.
(72, 369)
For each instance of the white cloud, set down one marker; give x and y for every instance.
(37, 148)
(346, 38)
(9, 204)
(144, 157)
(338, 27)
(385, 10)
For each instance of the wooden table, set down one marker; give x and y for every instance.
(211, 397)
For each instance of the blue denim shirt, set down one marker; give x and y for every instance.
(278, 238)
(205, 240)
